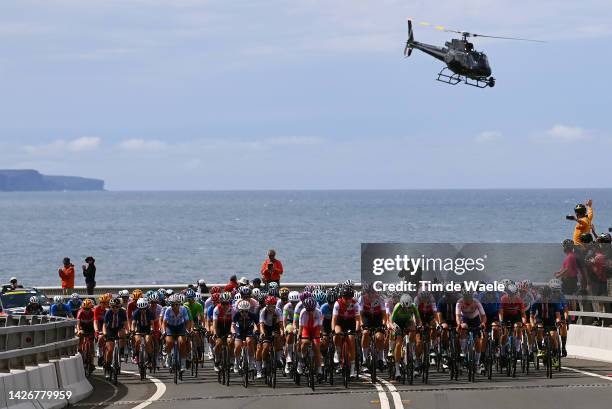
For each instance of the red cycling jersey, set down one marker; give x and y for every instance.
(346, 309)
(512, 305)
(371, 304)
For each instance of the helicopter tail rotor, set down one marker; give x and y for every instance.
(408, 49)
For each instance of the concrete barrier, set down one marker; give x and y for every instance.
(71, 377)
(15, 381)
(590, 342)
(44, 378)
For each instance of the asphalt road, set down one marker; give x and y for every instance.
(587, 385)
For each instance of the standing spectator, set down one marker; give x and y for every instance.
(232, 284)
(569, 270)
(599, 265)
(202, 287)
(66, 273)
(89, 272)
(271, 269)
(584, 219)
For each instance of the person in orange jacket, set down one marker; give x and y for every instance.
(66, 273)
(271, 269)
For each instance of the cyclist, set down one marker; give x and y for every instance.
(85, 326)
(404, 320)
(176, 323)
(34, 307)
(156, 309)
(59, 309)
(270, 320)
(557, 296)
(426, 304)
(447, 320)
(528, 300)
(196, 313)
(99, 312)
(512, 315)
(471, 318)
(373, 319)
(115, 327)
(243, 327)
(390, 303)
(346, 319)
(125, 298)
(143, 320)
(283, 297)
(490, 303)
(327, 310)
(208, 321)
(311, 321)
(288, 313)
(545, 316)
(74, 303)
(222, 325)
(131, 306)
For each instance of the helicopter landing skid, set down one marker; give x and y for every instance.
(454, 79)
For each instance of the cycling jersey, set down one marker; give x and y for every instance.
(280, 303)
(426, 305)
(370, 304)
(346, 309)
(223, 314)
(389, 306)
(99, 312)
(208, 303)
(74, 306)
(326, 312)
(446, 307)
(86, 320)
(60, 310)
(559, 298)
(404, 316)
(490, 305)
(288, 311)
(310, 324)
(144, 319)
(244, 326)
(31, 310)
(296, 312)
(176, 319)
(546, 311)
(270, 318)
(469, 310)
(528, 300)
(511, 306)
(131, 307)
(209, 312)
(195, 311)
(115, 320)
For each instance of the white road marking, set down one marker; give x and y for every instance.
(397, 399)
(159, 392)
(382, 395)
(607, 378)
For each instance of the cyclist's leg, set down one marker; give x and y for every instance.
(108, 354)
(379, 341)
(250, 343)
(365, 342)
(137, 342)
(337, 342)
(183, 350)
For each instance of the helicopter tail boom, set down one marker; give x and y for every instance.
(410, 42)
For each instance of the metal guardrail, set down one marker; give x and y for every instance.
(588, 308)
(27, 340)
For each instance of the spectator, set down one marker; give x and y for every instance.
(271, 269)
(66, 273)
(243, 281)
(232, 284)
(14, 284)
(202, 287)
(599, 266)
(89, 272)
(569, 270)
(584, 219)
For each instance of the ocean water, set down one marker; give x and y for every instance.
(172, 237)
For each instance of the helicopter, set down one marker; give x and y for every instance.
(463, 62)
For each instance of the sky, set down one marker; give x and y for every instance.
(303, 94)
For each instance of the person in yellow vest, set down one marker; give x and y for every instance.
(584, 220)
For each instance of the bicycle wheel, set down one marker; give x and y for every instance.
(409, 365)
(226, 364)
(142, 364)
(373, 362)
(425, 363)
(245, 368)
(346, 366)
(273, 367)
(330, 362)
(548, 356)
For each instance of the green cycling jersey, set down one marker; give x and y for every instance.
(195, 311)
(405, 315)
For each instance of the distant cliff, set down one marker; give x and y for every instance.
(31, 180)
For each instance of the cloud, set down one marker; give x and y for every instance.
(488, 136)
(567, 133)
(86, 143)
(138, 144)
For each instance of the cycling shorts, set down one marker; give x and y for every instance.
(314, 332)
(548, 324)
(223, 330)
(143, 330)
(512, 319)
(113, 333)
(268, 331)
(473, 325)
(372, 321)
(327, 329)
(347, 324)
(427, 317)
(175, 330)
(243, 334)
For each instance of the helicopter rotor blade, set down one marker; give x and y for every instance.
(508, 38)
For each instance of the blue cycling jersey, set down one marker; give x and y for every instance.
(60, 310)
(490, 305)
(209, 311)
(327, 311)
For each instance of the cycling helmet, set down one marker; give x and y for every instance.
(580, 209)
(294, 296)
(522, 286)
(273, 291)
(149, 294)
(406, 300)
(283, 292)
(243, 281)
(136, 294)
(467, 294)
(169, 292)
(604, 238)
(154, 297)
(357, 294)
(568, 244)
(310, 304)
(124, 293)
(255, 292)
(225, 297)
(116, 302)
(180, 298)
(546, 291)
(104, 298)
(74, 296)
(34, 300)
(347, 292)
(270, 300)
(190, 294)
(273, 284)
(511, 289)
(424, 294)
(245, 291)
(87, 304)
(198, 296)
(58, 299)
(142, 303)
(505, 282)
(215, 289)
(237, 297)
(244, 305)
(201, 282)
(308, 288)
(555, 284)
(304, 295)
(349, 283)
(331, 296)
(215, 298)
(320, 296)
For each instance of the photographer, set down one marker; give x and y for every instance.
(583, 216)
(271, 269)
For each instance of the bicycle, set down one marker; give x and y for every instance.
(86, 348)
(407, 361)
(112, 372)
(425, 364)
(175, 361)
(270, 373)
(245, 371)
(142, 358)
(223, 376)
(309, 364)
(193, 354)
(525, 352)
(489, 354)
(510, 352)
(155, 335)
(454, 357)
(371, 361)
(329, 366)
(471, 353)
